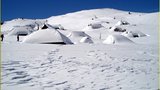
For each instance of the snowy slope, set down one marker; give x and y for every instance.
(85, 66)
(83, 18)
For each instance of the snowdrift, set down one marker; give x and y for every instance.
(133, 34)
(117, 39)
(47, 36)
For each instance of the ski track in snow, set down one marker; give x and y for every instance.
(95, 71)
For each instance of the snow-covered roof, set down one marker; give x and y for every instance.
(77, 34)
(21, 30)
(86, 40)
(51, 36)
(117, 39)
(122, 22)
(117, 29)
(92, 26)
(133, 34)
(95, 25)
(45, 26)
(9, 25)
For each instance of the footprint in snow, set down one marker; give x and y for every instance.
(72, 58)
(24, 81)
(80, 87)
(25, 66)
(56, 50)
(19, 77)
(10, 69)
(91, 53)
(72, 70)
(125, 59)
(10, 63)
(61, 83)
(60, 57)
(53, 52)
(19, 72)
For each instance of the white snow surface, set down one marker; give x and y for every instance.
(46, 36)
(117, 39)
(83, 66)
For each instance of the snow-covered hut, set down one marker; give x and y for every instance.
(47, 36)
(117, 39)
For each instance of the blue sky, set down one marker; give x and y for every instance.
(36, 9)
